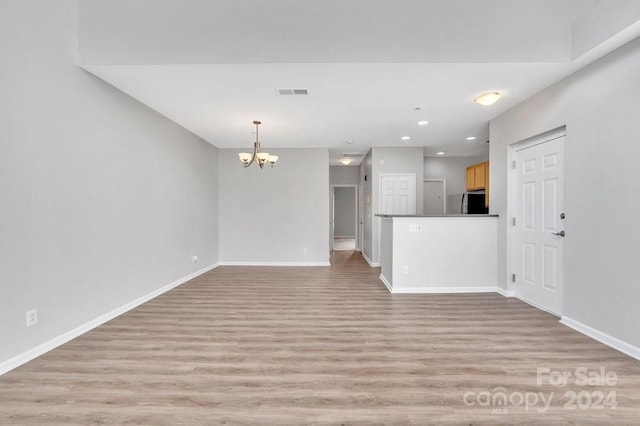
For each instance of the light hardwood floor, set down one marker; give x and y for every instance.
(344, 244)
(278, 345)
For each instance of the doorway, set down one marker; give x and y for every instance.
(434, 197)
(538, 231)
(344, 218)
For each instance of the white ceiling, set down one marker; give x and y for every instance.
(215, 66)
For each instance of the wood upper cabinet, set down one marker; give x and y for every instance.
(478, 176)
(471, 178)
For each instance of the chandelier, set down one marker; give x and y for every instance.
(260, 157)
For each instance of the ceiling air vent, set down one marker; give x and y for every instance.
(353, 154)
(293, 91)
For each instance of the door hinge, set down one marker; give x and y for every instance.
(513, 164)
(513, 221)
(513, 278)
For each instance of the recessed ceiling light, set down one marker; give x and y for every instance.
(423, 123)
(349, 141)
(440, 153)
(471, 138)
(488, 98)
(405, 138)
(346, 161)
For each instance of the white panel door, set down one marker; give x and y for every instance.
(539, 234)
(398, 194)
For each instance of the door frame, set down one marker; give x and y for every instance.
(444, 192)
(512, 197)
(332, 224)
(360, 218)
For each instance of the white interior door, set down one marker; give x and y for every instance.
(538, 233)
(398, 194)
(433, 197)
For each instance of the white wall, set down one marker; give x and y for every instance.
(103, 200)
(366, 177)
(448, 254)
(344, 175)
(452, 169)
(394, 160)
(599, 106)
(344, 209)
(271, 215)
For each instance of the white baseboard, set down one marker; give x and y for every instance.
(436, 290)
(234, 263)
(442, 290)
(535, 305)
(624, 347)
(369, 261)
(505, 293)
(45, 347)
(387, 283)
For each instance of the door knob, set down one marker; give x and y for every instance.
(560, 234)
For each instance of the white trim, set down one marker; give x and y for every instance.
(505, 293)
(541, 138)
(369, 261)
(443, 290)
(535, 305)
(624, 347)
(51, 344)
(386, 283)
(234, 263)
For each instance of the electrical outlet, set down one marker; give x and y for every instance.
(306, 250)
(194, 259)
(405, 270)
(415, 228)
(32, 317)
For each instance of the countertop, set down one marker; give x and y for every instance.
(389, 216)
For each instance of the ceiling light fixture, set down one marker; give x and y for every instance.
(261, 157)
(405, 138)
(346, 161)
(349, 141)
(423, 123)
(471, 138)
(488, 98)
(440, 153)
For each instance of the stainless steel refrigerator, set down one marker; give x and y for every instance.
(467, 203)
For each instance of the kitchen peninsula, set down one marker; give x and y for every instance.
(438, 254)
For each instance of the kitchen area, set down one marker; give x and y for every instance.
(453, 250)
